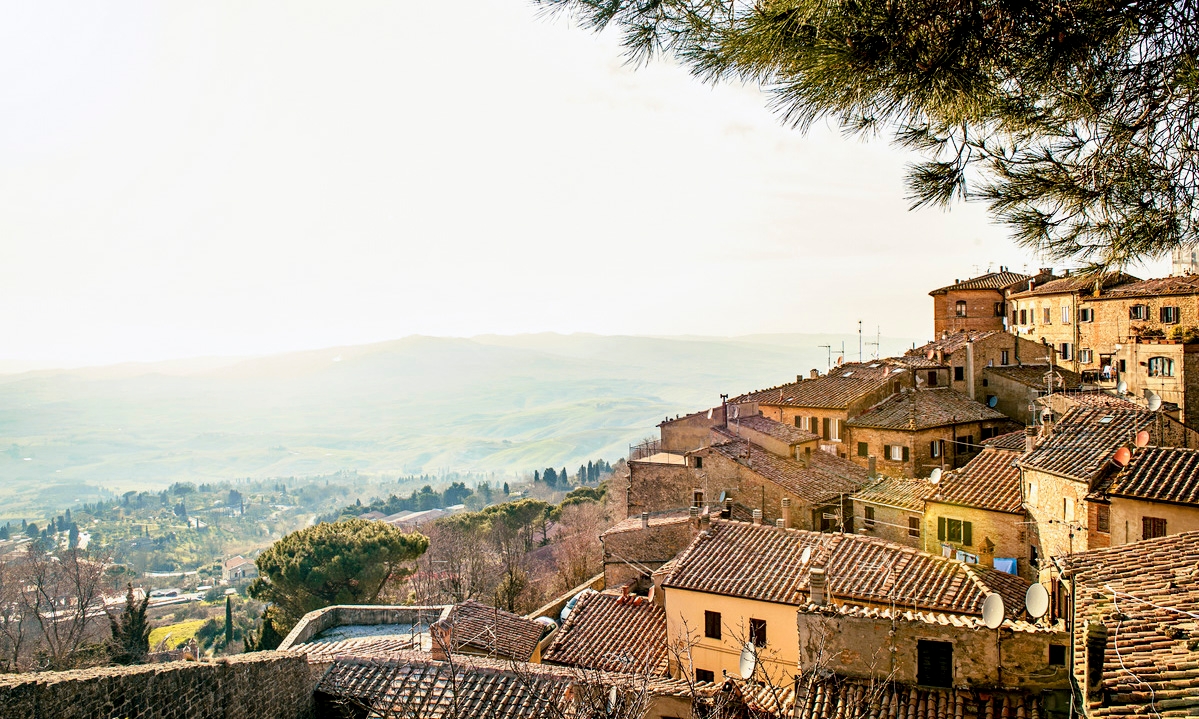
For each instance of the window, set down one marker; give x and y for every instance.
(960, 308)
(1169, 315)
(1086, 314)
(799, 422)
(1048, 314)
(934, 663)
(1067, 509)
(896, 453)
(1031, 494)
(835, 434)
(1152, 527)
(1103, 518)
(1086, 356)
(955, 530)
(1066, 351)
(757, 632)
(1003, 357)
(868, 513)
(1161, 367)
(1014, 317)
(826, 428)
(697, 498)
(959, 374)
(704, 675)
(964, 445)
(932, 378)
(1057, 655)
(988, 432)
(712, 625)
(1033, 556)
(934, 448)
(1023, 317)
(1065, 314)
(913, 526)
(1000, 310)
(1138, 312)
(699, 462)
(863, 449)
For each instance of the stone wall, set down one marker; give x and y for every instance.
(980, 311)
(655, 486)
(261, 685)
(628, 552)
(919, 443)
(993, 534)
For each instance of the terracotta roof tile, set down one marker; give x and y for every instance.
(1084, 440)
(896, 492)
(1011, 440)
(1185, 285)
(923, 409)
(952, 342)
(834, 390)
(827, 476)
(612, 633)
(656, 519)
(1159, 474)
(847, 698)
(1075, 283)
(766, 564)
(989, 281)
(782, 432)
(990, 481)
(1033, 375)
(1146, 594)
(494, 631)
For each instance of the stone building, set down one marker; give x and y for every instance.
(1015, 389)
(913, 432)
(638, 545)
(1133, 610)
(892, 508)
(966, 355)
(1155, 495)
(976, 514)
(978, 304)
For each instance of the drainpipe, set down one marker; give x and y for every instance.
(970, 369)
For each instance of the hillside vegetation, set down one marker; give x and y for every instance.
(486, 404)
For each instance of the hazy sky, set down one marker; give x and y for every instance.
(181, 179)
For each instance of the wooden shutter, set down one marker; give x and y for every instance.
(941, 528)
(827, 428)
(966, 538)
(906, 454)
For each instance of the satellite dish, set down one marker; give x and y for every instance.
(934, 477)
(1122, 387)
(749, 661)
(992, 401)
(1036, 601)
(807, 554)
(1142, 439)
(1155, 403)
(1122, 456)
(929, 355)
(993, 611)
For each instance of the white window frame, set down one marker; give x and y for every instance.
(1066, 314)
(896, 453)
(834, 430)
(1165, 367)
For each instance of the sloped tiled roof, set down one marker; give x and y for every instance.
(1160, 474)
(412, 684)
(382, 647)
(656, 519)
(990, 481)
(1033, 375)
(1012, 440)
(782, 432)
(1159, 287)
(925, 408)
(896, 492)
(989, 281)
(826, 476)
(1075, 283)
(766, 563)
(846, 698)
(490, 630)
(1147, 596)
(834, 390)
(1085, 439)
(1091, 398)
(612, 633)
(952, 342)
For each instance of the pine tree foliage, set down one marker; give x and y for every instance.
(130, 640)
(1076, 122)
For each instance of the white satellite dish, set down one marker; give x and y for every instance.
(1036, 601)
(1155, 403)
(612, 700)
(749, 661)
(807, 554)
(993, 611)
(1122, 387)
(934, 477)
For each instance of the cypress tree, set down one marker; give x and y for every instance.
(130, 640)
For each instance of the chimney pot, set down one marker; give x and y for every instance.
(757, 516)
(727, 512)
(693, 515)
(645, 520)
(814, 374)
(817, 586)
(1030, 439)
(786, 520)
(779, 523)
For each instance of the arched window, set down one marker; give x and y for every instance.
(961, 308)
(1161, 367)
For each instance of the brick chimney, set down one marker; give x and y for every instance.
(786, 520)
(693, 515)
(705, 522)
(814, 374)
(817, 586)
(1030, 439)
(440, 644)
(727, 511)
(757, 516)
(872, 466)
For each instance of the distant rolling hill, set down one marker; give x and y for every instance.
(419, 404)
